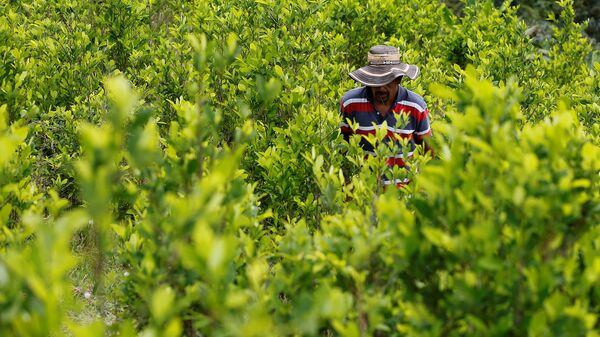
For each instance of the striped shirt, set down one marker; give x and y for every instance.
(410, 120)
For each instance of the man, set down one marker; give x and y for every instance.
(382, 99)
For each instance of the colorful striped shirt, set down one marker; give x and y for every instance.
(410, 120)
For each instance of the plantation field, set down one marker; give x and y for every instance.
(175, 168)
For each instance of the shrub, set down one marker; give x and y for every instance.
(182, 163)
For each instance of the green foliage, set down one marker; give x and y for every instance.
(535, 12)
(508, 224)
(182, 160)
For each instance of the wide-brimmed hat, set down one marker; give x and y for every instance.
(384, 67)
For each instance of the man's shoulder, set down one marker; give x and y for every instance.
(414, 99)
(355, 93)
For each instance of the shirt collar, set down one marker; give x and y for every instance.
(402, 93)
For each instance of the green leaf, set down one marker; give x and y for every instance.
(162, 303)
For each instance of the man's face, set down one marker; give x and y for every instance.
(385, 93)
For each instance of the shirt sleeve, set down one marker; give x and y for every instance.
(422, 126)
(346, 116)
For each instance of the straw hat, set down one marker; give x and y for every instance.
(384, 67)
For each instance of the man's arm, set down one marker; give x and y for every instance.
(423, 131)
(345, 128)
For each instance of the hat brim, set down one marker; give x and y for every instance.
(380, 75)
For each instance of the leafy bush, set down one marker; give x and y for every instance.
(176, 169)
